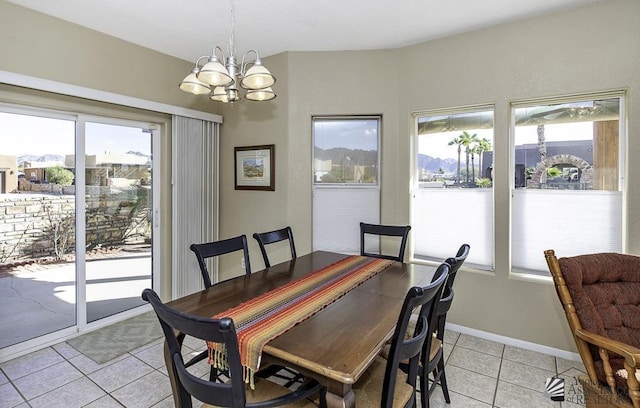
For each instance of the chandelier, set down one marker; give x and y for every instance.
(220, 75)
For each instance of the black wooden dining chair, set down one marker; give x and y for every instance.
(266, 238)
(400, 231)
(384, 384)
(209, 250)
(234, 392)
(432, 358)
(217, 248)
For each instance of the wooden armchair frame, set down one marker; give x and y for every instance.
(596, 394)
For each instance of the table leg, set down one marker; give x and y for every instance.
(340, 396)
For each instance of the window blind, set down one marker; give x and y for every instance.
(444, 219)
(337, 213)
(194, 197)
(569, 222)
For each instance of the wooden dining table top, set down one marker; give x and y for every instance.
(338, 343)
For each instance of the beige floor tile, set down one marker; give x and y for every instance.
(450, 337)
(481, 345)
(470, 384)
(194, 344)
(477, 362)
(31, 363)
(139, 378)
(75, 394)
(513, 396)
(523, 375)
(146, 346)
(9, 396)
(457, 401)
(199, 369)
(87, 365)
(167, 403)
(154, 355)
(66, 350)
(47, 379)
(446, 351)
(528, 357)
(144, 392)
(119, 374)
(565, 365)
(105, 402)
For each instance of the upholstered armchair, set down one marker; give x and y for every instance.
(600, 294)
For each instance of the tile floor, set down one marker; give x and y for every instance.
(480, 374)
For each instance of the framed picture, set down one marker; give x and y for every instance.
(255, 167)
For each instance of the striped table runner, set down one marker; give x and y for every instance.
(267, 316)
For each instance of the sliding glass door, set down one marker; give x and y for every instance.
(77, 222)
(118, 215)
(37, 221)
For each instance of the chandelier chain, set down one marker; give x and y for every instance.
(232, 50)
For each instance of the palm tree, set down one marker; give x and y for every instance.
(482, 145)
(467, 140)
(457, 141)
(474, 150)
(542, 144)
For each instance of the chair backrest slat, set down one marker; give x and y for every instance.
(400, 231)
(266, 238)
(217, 248)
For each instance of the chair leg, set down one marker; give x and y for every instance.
(443, 381)
(323, 398)
(424, 389)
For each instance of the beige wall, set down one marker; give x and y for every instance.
(588, 49)
(46, 47)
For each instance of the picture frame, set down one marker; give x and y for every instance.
(254, 167)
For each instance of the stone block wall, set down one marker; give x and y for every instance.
(43, 226)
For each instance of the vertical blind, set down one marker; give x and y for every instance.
(194, 197)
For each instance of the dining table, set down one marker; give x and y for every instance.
(336, 344)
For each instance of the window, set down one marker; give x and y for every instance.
(345, 150)
(453, 185)
(567, 192)
(346, 176)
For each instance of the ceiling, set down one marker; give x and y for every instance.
(188, 29)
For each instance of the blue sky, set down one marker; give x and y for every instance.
(22, 134)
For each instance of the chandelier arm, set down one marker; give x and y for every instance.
(198, 61)
(246, 65)
(218, 48)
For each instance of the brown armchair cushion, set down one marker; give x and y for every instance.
(605, 289)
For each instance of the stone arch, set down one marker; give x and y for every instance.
(540, 171)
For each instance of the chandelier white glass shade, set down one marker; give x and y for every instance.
(220, 75)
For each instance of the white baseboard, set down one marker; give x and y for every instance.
(567, 355)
